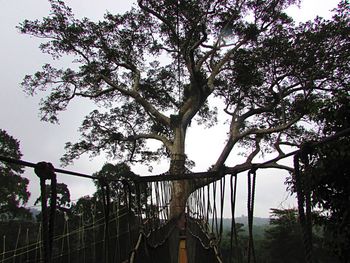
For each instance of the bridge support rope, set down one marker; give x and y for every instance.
(303, 196)
(250, 204)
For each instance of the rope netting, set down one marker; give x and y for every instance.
(80, 243)
(133, 224)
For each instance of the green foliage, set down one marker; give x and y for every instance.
(268, 73)
(16, 235)
(13, 187)
(277, 240)
(88, 208)
(119, 178)
(284, 238)
(237, 249)
(63, 196)
(329, 174)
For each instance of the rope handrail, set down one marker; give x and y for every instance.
(140, 179)
(33, 165)
(330, 138)
(186, 176)
(161, 203)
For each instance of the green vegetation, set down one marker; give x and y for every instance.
(281, 240)
(245, 61)
(328, 175)
(79, 227)
(270, 75)
(13, 187)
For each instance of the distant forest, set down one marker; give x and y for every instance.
(276, 239)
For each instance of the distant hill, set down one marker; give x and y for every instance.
(257, 221)
(260, 224)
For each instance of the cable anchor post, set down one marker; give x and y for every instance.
(46, 171)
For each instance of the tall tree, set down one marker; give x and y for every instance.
(118, 177)
(154, 70)
(13, 187)
(284, 239)
(63, 196)
(329, 176)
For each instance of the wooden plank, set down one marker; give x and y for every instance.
(182, 251)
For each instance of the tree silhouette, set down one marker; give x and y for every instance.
(165, 64)
(329, 176)
(13, 193)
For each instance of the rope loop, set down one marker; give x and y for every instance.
(234, 234)
(253, 170)
(45, 170)
(250, 206)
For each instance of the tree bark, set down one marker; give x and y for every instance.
(180, 189)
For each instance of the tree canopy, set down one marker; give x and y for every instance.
(13, 193)
(329, 176)
(154, 70)
(119, 179)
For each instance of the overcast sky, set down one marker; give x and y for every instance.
(40, 141)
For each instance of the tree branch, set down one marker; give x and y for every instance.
(222, 62)
(139, 99)
(239, 168)
(270, 130)
(164, 20)
(168, 144)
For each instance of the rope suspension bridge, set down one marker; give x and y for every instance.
(135, 225)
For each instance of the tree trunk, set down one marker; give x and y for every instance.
(180, 189)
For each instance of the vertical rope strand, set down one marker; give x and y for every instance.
(63, 235)
(38, 244)
(233, 188)
(16, 246)
(251, 196)
(222, 200)
(68, 241)
(27, 245)
(83, 237)
(302, 217)
(3, 248)
(208, 205)
(105, 191)
(45, 171)
(94, 232)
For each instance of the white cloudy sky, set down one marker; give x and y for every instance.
(19, 55)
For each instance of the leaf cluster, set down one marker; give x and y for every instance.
(169, 58)
(13, 193)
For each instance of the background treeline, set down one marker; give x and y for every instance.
(278, 239)
(80, 238)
